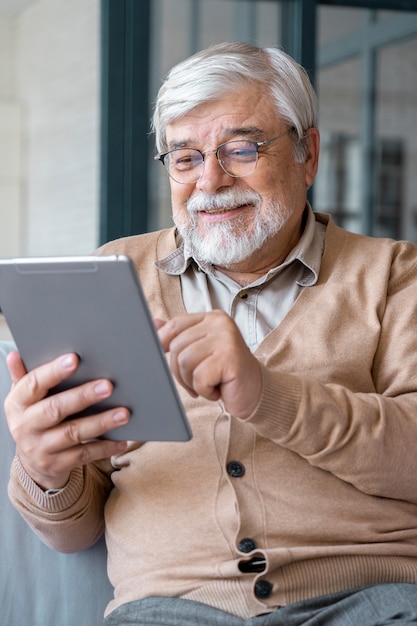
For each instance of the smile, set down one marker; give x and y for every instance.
(218, 211)
(224, 209)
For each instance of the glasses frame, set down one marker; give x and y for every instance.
(258, 145)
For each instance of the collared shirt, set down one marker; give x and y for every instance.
(260, 306)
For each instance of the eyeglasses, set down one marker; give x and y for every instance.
(237, 158)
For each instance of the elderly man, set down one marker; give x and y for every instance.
(294, 346)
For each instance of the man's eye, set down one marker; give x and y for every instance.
(185, 161)
(240, 152)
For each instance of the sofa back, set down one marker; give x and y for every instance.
(40, 587)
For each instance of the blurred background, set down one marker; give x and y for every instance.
(77, 83)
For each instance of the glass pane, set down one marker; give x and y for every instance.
(336, 189)
(367, 85)
(388, 15)
(268, 23)
(396, 126)
(172, 27)
(219, 19)
(337, 22)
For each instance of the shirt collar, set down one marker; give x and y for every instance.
(308, 252)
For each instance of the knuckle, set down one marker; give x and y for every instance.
(85, 455)
(87, 394)
(15, 430)
(172, 327)
(15, 422)
(53, 409)
(32, 383)
(218, 315)
(72, 432)
(183, 359)
(45, 466)
(8, 406)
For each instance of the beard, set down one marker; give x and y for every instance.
(229, 242)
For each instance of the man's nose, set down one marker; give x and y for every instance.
(213, 177)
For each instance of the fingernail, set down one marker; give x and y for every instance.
(102, 389)
(67, 362)
(120, 417)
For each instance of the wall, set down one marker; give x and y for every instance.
(10, 145)
(49, 130)
(10, 151)
(58, 90)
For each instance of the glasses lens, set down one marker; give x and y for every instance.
(184, 164)
(238, 158)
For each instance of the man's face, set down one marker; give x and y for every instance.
(241, 223)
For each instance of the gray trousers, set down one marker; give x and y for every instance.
(377, 605)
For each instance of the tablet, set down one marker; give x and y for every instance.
(94, 306)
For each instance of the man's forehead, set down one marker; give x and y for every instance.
(253, 133)
(226, 118)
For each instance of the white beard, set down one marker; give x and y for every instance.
(229, 242)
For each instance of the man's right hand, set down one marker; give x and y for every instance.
(48, 444)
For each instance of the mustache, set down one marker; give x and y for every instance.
(230, 199)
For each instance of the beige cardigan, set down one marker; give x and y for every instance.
(329, 492)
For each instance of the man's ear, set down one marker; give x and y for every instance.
(312, 159)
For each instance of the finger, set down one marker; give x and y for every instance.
(206, 378)
(56, 408)
(52, 469)
(186, 355)
(174, 331)
(15, 364)
(192, 340)
(36, 384)
(84, 454)
(173, 328)
(84, 429)
(49, 456)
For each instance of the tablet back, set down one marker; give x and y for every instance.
(95, 306)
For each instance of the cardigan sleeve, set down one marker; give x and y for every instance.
(70, 520)
(366, 439)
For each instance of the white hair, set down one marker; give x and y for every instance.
(221, 69)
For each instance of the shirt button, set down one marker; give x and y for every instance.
(263, 589)
(235, 469)
(247, 545)
(243, 295)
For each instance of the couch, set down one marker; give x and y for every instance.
(40, 587)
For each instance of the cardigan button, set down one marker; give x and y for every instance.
(235, 469)
(263, 589)
(247, 545)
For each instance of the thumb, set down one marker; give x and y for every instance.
(159, 323)
(15, 364)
